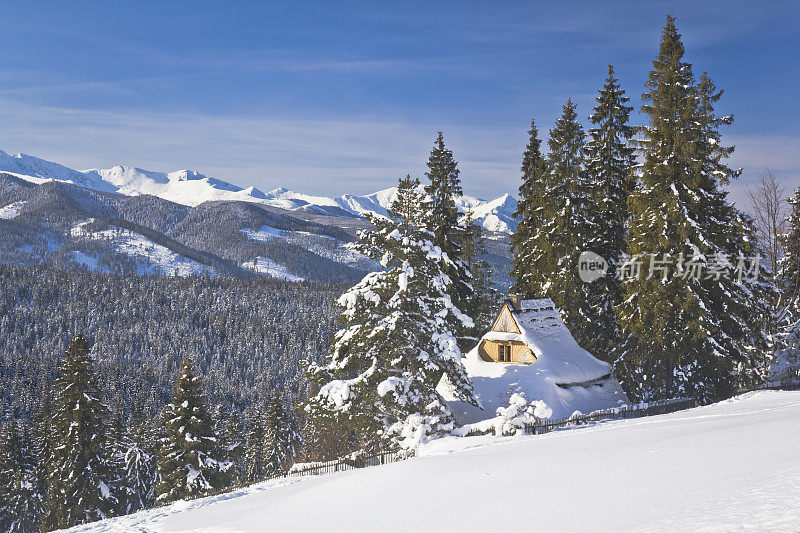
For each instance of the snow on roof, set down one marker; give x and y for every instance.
(557, 353)
(564, 375)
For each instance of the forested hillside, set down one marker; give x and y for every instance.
(246, 336)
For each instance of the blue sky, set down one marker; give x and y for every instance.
(336, 97)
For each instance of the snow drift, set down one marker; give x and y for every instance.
(723, 467)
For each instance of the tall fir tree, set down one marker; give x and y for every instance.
(20, 498)
(442, 219)
(530, 216)
(282, 439)
(610, 159)
(684, 333)
(229, 429)
(255, 465)
(439, 205)
(82, 476)
(485, 295)
(138, 458)
(41, 438)
(397, 341)
(407, 205)
(790, 263)
(191, 459)
(786, 364)
(559, 227)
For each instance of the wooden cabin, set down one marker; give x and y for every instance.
(513, 349)
(530, 350)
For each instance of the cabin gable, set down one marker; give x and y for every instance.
(504, 322)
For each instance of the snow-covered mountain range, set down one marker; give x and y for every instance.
(191, 188)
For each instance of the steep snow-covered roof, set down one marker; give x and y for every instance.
(564, 375)
(557, 353)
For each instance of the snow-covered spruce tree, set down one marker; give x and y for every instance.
(529, 214)
(255, 466)
(138, 461)
(282, 439)
(684, 334)
(744, 308)
(397, 341)
(41, 439)
(20, 499)
(565, 228)
(82, 476)
(229, 429)
(441, 218)
(609, 162)
(786, 365)
(191, 460)
(439, 205)
(485, 296)
(407, 208)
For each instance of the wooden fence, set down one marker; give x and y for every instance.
(343, 464)
(315, 469)
(617, 413)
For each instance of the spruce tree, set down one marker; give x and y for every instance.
(682, 333)
(530, 216)
(20, 498)
(254, 457)
(282, 439)
(484, 297)
(442, 219)
(610, 161)
(139, 452)
(439, 205)
(191, 461)
(41, 438)
(397, 341)
(228, 427)
(786, 365)
(790, 263)
(563, 227)
(82, 473)
(406, 207)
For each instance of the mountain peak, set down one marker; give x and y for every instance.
(190, 187)
(185, 175)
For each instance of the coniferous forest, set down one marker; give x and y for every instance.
(123, 392)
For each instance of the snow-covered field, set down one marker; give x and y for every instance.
(11, 210)
(321, 245)
(265, 265)
(155, 258)
(732, 466)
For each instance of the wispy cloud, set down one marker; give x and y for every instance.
(357, 155)
(333, 156)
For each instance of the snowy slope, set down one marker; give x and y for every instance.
(39, 170)
(724, 467)
(11, 210)
(152, 258)
(189, 187)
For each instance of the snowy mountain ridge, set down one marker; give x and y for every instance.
(191, 188)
